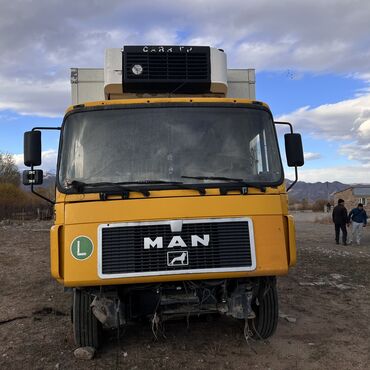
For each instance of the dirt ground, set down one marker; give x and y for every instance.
(326, 297)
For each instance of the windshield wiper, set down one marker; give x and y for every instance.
(176, 184)
(212, 178)
(119, 189)
(150, 182)
(238, 184)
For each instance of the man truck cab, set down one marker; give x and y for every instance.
(170, 195)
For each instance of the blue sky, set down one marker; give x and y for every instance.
(287, 91)
(310, 58)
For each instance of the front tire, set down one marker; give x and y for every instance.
(86, 327)
(264, 324)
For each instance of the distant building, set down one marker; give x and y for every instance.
(354, 195)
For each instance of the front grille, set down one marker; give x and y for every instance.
(173, 66)
(167, 69)
(122, 248)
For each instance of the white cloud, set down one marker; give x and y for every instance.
(356, 151)
(347, 174)
(364, 126)
(309, 156)
(41, 40)
(42, 98)
(338, 121)
(49, 160)
(348, 120)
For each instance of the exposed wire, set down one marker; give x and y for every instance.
(257, 332)
(188, 307)
(155, 325)
(248, 335)
(118, 303)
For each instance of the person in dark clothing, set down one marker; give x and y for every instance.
(340, 219)
(358, 218)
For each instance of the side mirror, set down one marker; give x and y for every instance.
(294, 150)
(32, 148)
(32, 177)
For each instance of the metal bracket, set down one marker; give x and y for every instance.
(225, 190)
(74, 75)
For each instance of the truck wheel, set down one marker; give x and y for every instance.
(86, 328)
(267, 312)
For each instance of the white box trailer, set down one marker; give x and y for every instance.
(94, 84)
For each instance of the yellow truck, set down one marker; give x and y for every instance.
(170, 193)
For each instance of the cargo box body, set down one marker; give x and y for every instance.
(87, 84)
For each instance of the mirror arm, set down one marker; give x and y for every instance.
(40, 195)
(295, 167)
(46, 128)
(295, 180)
(285, 123)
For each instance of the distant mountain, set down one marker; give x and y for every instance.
(49, 179)
(314, 191)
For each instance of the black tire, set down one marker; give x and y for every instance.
(86, 328)
(267, 312)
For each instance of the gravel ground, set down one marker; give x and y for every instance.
(324, 315)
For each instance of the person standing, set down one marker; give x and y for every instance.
(340, 219)
(358, 218)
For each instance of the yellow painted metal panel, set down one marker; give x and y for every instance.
(54, 251)
(58, 211)
(83, 219)
(292, 241)
(171, 208)
(60, 198)
(284, 200)
(166, 100)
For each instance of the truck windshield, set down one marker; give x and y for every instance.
(187, 144)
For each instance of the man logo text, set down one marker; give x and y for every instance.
(176, 241)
